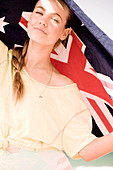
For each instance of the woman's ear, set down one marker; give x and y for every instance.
(65, 33)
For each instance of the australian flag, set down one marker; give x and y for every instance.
(87, 57)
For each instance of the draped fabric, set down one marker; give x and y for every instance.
(87, 59)
(99, 52)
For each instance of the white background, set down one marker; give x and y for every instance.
(100, 12)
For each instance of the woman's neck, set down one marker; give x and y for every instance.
(38, 56)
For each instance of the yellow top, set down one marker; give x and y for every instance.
(58, 120)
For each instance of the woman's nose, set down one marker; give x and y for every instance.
(43, 22)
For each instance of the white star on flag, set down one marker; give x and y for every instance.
(2, 24)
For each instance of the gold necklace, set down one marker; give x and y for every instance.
(41, 94)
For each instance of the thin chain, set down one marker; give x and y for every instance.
(41, 94)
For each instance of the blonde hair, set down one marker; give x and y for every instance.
(18, 61)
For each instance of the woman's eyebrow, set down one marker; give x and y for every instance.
(40, 7)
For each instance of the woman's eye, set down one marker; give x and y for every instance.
(40, 13)
(55, 19)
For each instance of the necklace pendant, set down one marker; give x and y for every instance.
(40, 97)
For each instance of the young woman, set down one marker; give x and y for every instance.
(42, 113)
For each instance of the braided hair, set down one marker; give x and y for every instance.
(18, 59)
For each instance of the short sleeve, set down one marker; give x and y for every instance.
(77, 134)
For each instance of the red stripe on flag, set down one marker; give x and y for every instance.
(101, 115)
(23, 21)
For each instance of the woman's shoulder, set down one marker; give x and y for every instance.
(64, 80)
(60, 79)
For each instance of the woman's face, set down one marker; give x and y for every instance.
(47, 22)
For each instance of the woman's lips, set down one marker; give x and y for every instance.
(40, 30)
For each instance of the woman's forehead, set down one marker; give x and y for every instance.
(53, 6)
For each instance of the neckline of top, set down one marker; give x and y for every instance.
(39, 83)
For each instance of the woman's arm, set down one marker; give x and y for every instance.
(97, 148)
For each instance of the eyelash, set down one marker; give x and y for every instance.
(54, 19)
(39, 13)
